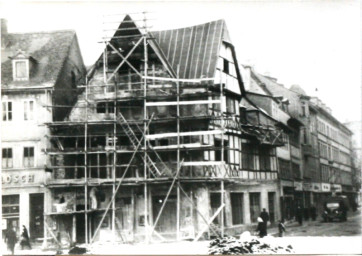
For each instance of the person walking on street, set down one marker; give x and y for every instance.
(24, 240)
(261, 228)
(281, 228)
(299, 215)
(265, 217)
(10, 239)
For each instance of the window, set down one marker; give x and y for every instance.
(21, 70)
(7, 158)
(7, 111)
(28, 110)
(225, 66)
(248, 152)
(264, 158)
(215, 203)
(230, 105)
(254, 206)
(296, 170)
(237, 202)
(105, 107)
(10, 205)
(28, 156)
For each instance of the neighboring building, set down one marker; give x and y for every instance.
(289, 155)
(335, 151)
(38, 70)
(356, 128)
(324, 154)
(182, 90)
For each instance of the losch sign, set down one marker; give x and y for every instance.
(26, 178)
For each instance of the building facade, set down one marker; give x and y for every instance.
(320, 146)
(162, 144)
(36, 71)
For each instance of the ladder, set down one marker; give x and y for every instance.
(135, 141)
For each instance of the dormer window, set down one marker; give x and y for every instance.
(20, 66)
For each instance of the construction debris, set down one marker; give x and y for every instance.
(246, 245)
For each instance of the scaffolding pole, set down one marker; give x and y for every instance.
(145, 66)
(178, 159)
(86, 170)
(222, 106)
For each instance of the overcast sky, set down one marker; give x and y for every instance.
(315, 44)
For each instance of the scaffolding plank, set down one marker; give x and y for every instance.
(190, 102)
(203, 163)
(175, 134)
(178, 80)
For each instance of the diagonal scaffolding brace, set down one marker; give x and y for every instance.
(122, 178)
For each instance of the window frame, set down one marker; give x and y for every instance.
(9, 159)
(15, 70)
(26, 109)
(27, 159)
(5, 110)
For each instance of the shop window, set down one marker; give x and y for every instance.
(7, 158)
(7, 111)
(28, 110)
(215, 203)
(254, 206)
(28, 157)
(271, 205)
(237, 208)
(10, 205)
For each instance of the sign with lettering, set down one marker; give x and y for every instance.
(326, 187)
(336, 187)
(298, 186)
(16, 179)
(307, 186)
(316, 187)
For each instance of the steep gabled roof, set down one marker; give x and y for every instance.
(193, 50)
(49, 49)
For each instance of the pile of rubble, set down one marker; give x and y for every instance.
(247, 244)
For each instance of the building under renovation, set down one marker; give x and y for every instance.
(161, 144)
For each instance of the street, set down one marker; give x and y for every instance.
(313, 237)
(351, 227)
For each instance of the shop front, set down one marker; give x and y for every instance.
(287, 199)
(23, 202)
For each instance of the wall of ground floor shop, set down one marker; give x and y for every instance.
(23, 206)
(197, 203)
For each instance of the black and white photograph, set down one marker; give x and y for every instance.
(181, 127)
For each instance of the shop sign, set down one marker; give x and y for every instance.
(298, 186)
(14, 179)
(326, 187)
(307, 186)
(336, 187)
(316, 187)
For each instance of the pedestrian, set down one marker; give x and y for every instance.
(281, 228)
(313, 212)
(10, 239)
(24, 239)
(265, 216)
(261, 228)
(299, 215)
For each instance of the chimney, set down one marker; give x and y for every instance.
(247, 77)
(4, 31)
